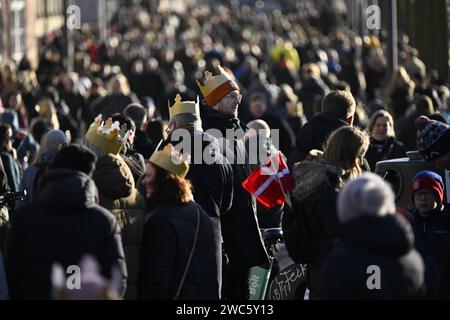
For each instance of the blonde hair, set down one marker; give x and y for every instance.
(122, 81)
(381, 114)
(345, 147)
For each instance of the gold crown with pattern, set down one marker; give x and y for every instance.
(216, 87)
(184, 107)
(170, 160)
(108, 136)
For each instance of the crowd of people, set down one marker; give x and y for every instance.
(96, 151)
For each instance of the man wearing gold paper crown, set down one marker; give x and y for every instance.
(242, 238)
(178, 259)
(211, 178)
(117, 191)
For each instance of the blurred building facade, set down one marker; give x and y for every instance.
(22, 22)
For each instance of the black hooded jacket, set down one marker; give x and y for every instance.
(373, 247)
(61, 225)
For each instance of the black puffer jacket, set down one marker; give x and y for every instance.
(167, 242)
(371, 245)
(61, 225)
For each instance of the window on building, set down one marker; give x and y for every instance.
(18, 28)
(1, 28)
(40, 9)
(51, 7)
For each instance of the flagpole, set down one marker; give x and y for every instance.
(286, 195)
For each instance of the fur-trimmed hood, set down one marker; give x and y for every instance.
(313, 174)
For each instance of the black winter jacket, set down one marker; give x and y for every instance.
(430, 235)
(61, 225)
(212, 183)
(384, 150)
(240, 230)
(167, 242)
(375, 261)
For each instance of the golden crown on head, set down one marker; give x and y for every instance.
(170, 160)
(216, 87)
(179, 106)
(108, 136)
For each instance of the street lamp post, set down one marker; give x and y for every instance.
(68, 37)
(392, 45)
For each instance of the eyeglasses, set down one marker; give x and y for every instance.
(234, 96)
(426, 193)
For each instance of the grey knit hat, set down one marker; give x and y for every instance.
(368, 194)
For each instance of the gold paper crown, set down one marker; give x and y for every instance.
(184, 107)
(108, 136)
(169, 160)
(216, 87)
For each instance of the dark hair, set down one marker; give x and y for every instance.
(258, 96)
(155, 130)
(169, 187)
(339, 103)
(40, 127)
(123, 119)
(136, 112)
(4, 127)
(438, 117)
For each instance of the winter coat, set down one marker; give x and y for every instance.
(143, 144)
(431, 231)
(212, 184)
(166, 245)
(3, 282)
(313, 135)
(32, 176)
(61, 225)
(136, 162)
(242, 238)
(317, 184)
(406, 127)
(117, 193)
(430, 234)
(400, 102)
(373, 246)
(384, 150)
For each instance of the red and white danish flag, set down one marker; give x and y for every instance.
(271, 182)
